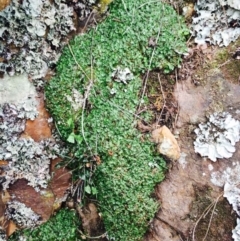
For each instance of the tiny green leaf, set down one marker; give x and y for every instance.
(71, 138)
(87, 189)
(94, 191)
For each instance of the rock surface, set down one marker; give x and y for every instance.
(49, 199)
(39, 128)
(10, 87)
(41, 204)
(187, 189)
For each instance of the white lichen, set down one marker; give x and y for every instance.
(36, 29)
(216, 138)
(26, 158)
(232, 3)
(122, 75)
(229, 179)
(76, 99)
(23, 216)
(29, 160)
(236, 231)
(216, 22)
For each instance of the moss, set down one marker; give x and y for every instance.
(103, 135)
(61, 227)
(223, 60)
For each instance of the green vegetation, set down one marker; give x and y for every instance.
(62, 227)
(138, 35)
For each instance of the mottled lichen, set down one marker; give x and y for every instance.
(23, 216)
(216, 138)
(26, 158)
(32, 34)
(216, 22)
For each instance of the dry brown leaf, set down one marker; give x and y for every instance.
(11, 228)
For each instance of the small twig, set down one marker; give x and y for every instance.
(86, 95)
(124, 5)
(149, 66)
(210, 221)
(205, 213)
(88, 19)
(189, 39)
(176, 118)
(58, 130)
(71, 159)
(164, 99)
(75, 186)
(143, 110)
(226, 62)
(79, 66)
(63, 175)
(156, 1)
(96, 237)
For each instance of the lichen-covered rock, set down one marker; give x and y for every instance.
(23, 216)
(42, 203)
(32, 33)
(167, 144)
(232, 3)
(10, 86)
(26, 158)
(216, 138)
(229, 179)
(236, 231)
(39, 128)
(216, 24)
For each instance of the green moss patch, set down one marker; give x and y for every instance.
(61, 227)
(117, 163)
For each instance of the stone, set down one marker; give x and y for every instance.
(195, 182)
(40, 202)
(215, 94)
(10, 86)
(39, 128)
(4, 4)
(160, 231)
(167, 144)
